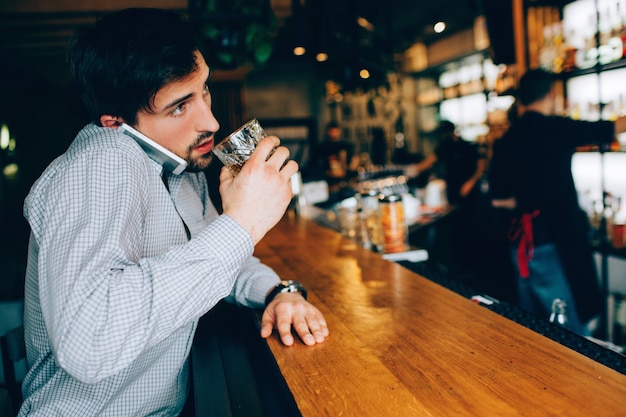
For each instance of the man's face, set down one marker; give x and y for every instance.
(182, 120)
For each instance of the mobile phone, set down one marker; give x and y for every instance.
(158, 153)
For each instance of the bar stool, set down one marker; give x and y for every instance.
(13, 351)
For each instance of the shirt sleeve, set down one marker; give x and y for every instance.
(575, 133)
(253, 283)
(103, 301)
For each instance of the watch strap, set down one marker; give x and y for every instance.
(286, 286)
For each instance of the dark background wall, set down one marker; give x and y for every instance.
(43, 119)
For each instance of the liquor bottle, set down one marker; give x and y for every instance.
(618, 236)
(559, 48)
(609, 214)
(559, 313)
(621, 106)
(575, 113)
(616, 21)
(608, 111)
(604, 26)
(369, 217)
(393, 224)
(587, 57)
(546, 53)
(569, 54)
(622, 16)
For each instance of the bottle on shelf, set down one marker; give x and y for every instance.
(619, 229)
(569, 54)
(369, 218)
(608, 111)
(609, 214)
(587, 57)
(575, 111)
(546, 53)
(394, 228)
(604, 26)
(621, 106)
(616, 24)
(559, 48)
(622, 16)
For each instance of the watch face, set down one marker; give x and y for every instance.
(293, 286)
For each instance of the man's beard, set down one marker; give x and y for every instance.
(202, 162)
(199, 164)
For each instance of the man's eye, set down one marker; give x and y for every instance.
(178, 110)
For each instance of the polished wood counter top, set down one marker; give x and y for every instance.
(401, 345)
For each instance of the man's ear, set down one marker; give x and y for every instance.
(110, 121)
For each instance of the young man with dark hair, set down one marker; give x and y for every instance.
(530, 175)
(125, 254)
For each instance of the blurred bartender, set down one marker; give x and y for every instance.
(531, 176)
(460, 164)
(333, 155)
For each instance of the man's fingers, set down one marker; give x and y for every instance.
(267, 324)
(266, 146)
(301, 326)
(283, 325)
(318, 328)
(290, 317)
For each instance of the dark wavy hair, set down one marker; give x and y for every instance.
(122, 61)
(534, 85)
(446, 127)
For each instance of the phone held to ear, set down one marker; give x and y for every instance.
(158, 153)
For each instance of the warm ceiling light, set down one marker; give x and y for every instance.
(299, 50)
(10, 170)
(365, 74)
(365, 24)
(439, 27)
(4, 137)
(321, 57)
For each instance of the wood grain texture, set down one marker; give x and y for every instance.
(401, 345)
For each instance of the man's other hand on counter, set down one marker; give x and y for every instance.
(291, 310)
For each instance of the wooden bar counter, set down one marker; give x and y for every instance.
(402, 345)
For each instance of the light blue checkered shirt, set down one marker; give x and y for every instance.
(113, 287)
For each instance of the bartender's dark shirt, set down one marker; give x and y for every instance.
(532, 162)
(456, 163)
(331, 149)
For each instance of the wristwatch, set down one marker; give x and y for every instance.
(286, 286)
